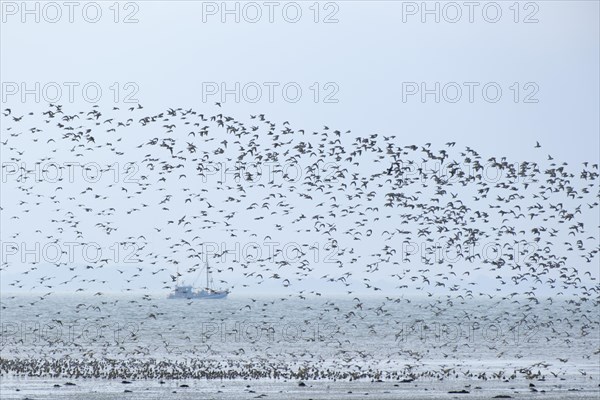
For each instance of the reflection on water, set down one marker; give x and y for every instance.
(376, 338)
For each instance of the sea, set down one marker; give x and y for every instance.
(300, 346)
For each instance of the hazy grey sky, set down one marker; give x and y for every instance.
(368, 54)
(370, 62)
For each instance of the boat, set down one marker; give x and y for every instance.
(184, 291)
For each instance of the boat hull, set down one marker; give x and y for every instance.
(213, 296)
(199, 296)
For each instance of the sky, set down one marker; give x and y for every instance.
(367, 54)
(360, 65)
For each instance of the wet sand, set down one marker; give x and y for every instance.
(96, 389)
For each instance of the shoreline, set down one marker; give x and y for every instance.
(96, 389)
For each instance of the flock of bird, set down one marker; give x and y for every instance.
(384, 216)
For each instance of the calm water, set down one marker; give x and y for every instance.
(277, 342)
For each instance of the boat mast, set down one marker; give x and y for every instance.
(207, 276)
